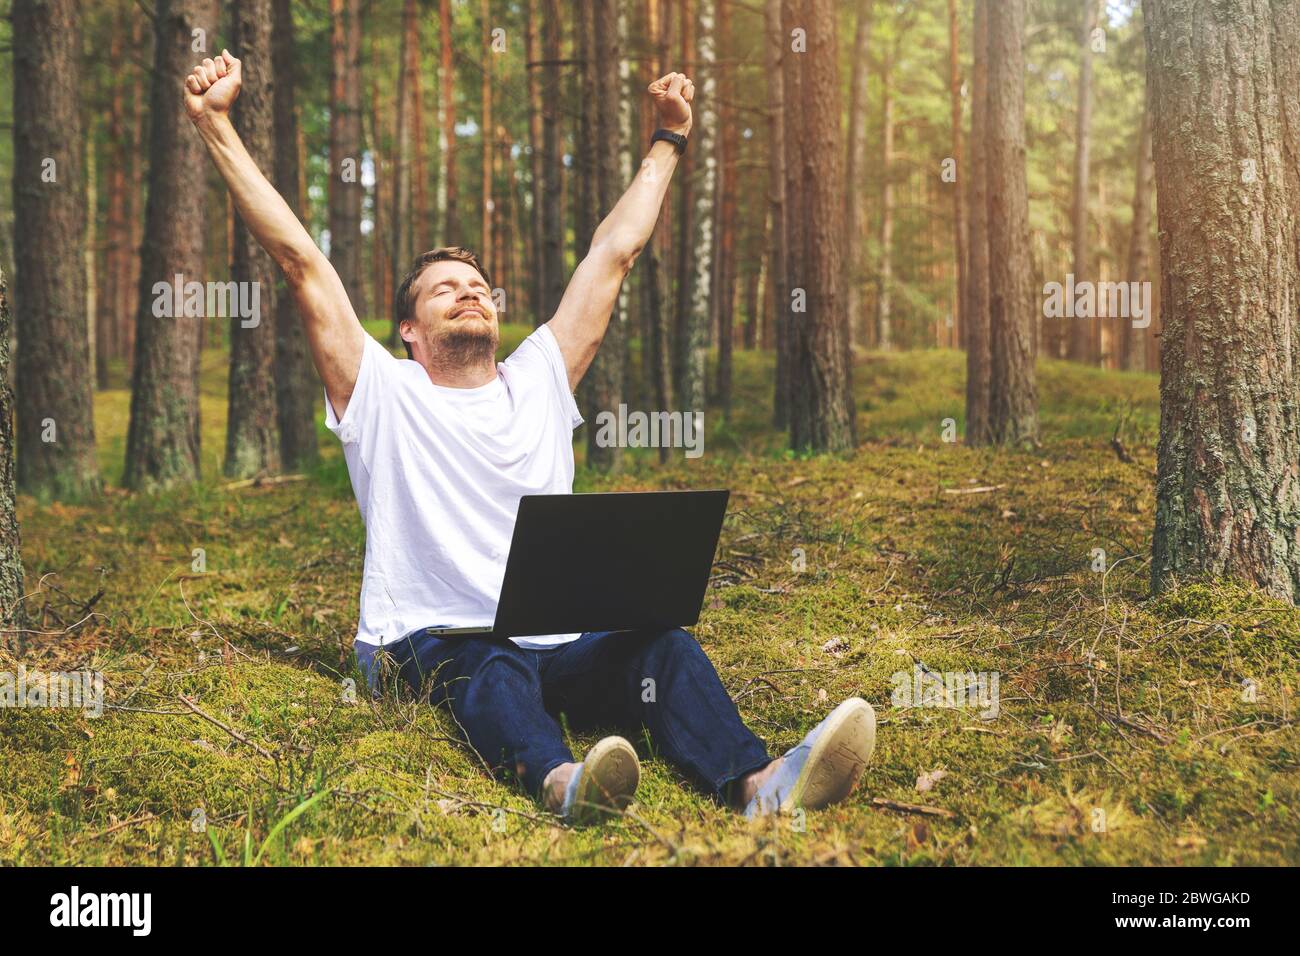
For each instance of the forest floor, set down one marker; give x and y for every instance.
(1127, 729)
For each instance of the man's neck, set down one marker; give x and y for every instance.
(462, 376)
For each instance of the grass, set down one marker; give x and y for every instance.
(1129, 730)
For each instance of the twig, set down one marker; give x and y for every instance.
(261, 480)
(973, 491)
(916, 808)
(122, 824)
(228, 729)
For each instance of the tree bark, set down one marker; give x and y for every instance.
(296, 384)
(1082, 331)
(399, 222)
(345, 188)
(824, 419)
(1134, 352)
(533, 43)
(884, 296)
(775, 47)
(1013, 405)
(604, 380)
(450, 223)
(957, 332)
(697, 208)
(724, 285)
(486, 204)
(1224, 80)
(12, 612)
(56, 430)
(552, 164)
(855, 165)
(793, 308)
(688, 245)
(252, 430)
(162, 444)
(976, 306)
(658, 252)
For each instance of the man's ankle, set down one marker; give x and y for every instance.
(554, 785)
(744, 788)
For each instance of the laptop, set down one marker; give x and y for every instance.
(612, 561)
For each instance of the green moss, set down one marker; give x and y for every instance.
(1129, 730)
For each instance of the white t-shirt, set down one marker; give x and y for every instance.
(438, 473)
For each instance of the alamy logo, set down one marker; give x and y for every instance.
(1098, 300)
(198, 300)
(83, 690)
(103, 909)
(962, 689)
(651, 430)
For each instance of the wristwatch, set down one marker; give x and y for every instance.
(677, 139)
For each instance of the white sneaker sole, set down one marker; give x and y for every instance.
(838, 757)
(610, 774)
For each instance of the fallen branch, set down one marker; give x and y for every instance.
(916, 808)
(228, 729)
(973, 491)
(262, 480)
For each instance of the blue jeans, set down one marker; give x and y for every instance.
(507, 699)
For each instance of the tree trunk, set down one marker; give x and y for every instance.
(420, 222)
(345, 188)
(450, 223)
(855, 165)
(724, 288)
(1013, 406)
(696, 268)
(399, 222)
(552, 164)
(1224, 81)
(533, 43)
(1082, 329)
(658, 253)
(824, 419)
(486, 204)
(688, 243)
(1134, 347)
(252, 430)
(381, 257)
(976, 306)
(56, 431)
(794, 306)
(957, 332)
(775, 52)
(296, 384)
(12, 613)
(604, 380)
(884, 296)
(162, 445)
(117, 228)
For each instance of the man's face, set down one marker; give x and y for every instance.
(455, 318)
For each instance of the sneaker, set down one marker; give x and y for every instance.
(603, 784)
(825, 766)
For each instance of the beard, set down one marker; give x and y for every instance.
(464, 346)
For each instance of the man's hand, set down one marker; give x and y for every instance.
(213, 86)
(672, 94)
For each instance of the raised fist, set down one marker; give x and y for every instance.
(672, 94)
(213, 86)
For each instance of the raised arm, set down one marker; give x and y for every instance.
(580, 322)
(334, 334)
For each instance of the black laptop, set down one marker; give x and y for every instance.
(606, 562)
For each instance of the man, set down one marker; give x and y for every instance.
(441, 447)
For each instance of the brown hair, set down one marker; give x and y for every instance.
(403, 307)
